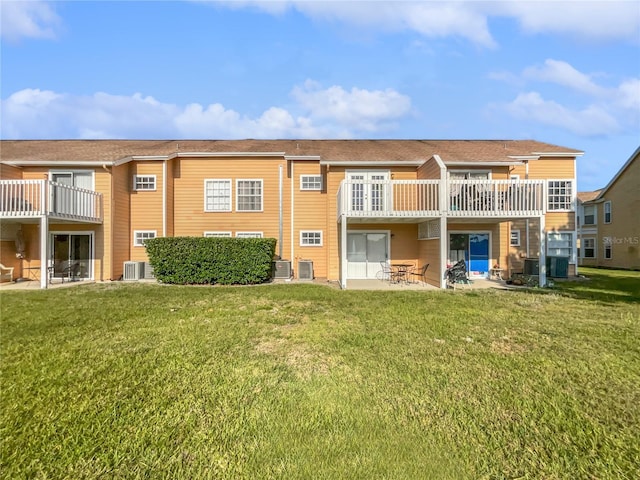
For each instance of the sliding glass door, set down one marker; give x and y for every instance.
(71, 255)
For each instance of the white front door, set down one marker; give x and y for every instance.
(366, 251)
(368, 191)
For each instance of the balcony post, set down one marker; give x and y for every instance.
(542, 278)
(44, 235)
(343, 251)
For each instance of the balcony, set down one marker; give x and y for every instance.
(22, 199)
(420, 199)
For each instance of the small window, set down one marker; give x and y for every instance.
(144, 182)
(589, 248)
(608, 254)
(310, 182)
(217, 195)
(311, 238)
(248, 234)
(249, 195)
(139, 236)
(607, 212)
(217, 234)
(560, 195)
(589, 215)
(515, 238)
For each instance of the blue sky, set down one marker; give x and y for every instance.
(566, 73)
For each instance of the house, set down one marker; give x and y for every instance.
(609, 223)
(83, 208)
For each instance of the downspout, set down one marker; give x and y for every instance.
(164, 198)
(526, 222)
(280, 214)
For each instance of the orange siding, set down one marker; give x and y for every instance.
(121, 220)
(7, 172)
(550, 168)
(429, 170)
(310, 214)
(429, 252)
(146, 206)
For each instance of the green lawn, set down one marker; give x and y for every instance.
(304, 381)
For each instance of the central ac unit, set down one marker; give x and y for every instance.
(148, 271)
(305, 269)
(282, 269)
(133, 270)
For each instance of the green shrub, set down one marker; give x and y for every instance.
(201, 261)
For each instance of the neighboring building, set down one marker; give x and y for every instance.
(345, 205)
(609, 220)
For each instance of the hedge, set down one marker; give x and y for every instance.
(202, 261)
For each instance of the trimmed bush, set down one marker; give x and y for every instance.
(201, 261)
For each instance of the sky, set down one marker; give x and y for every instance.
(565, 73)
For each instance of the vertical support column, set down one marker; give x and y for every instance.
(44, 237)
(343, 252)
(444, 247)
(542, 279)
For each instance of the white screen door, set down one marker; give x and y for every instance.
(365, 252)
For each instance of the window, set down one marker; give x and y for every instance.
(217, 234)
(608, 254)
(515, 238)
(560, 244)
(139, 236)
(249, 195)
(310, 182)
(589, 215)
(248, 234)
(144, 182)
(589, 249)
(217, 195)
(607, 212)
(311, 238)
(560, 194)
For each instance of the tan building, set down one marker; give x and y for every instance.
(609, 220)
(83, 208)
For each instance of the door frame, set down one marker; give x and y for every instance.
(388, 246)
(366, 201)
(92, 248)
(473, 232)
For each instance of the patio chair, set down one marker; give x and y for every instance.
(386, 273)
(421, 273)
(6, 272)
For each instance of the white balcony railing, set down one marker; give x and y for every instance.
(390, 198)
(37, 198)
(420, 198)
(496, 198)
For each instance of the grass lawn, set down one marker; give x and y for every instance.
(133, 380)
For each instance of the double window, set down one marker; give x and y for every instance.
(144, 182)
(248, 234)
(139, 236)
(310, 182)
(217, 195)
(560, 195)
(311, 238)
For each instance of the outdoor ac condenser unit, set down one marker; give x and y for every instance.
(133, 270)
(148, 271)
(305, 270)
(282, 269)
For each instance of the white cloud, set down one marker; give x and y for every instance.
(322, 113)
(27, 19)
(606, 109)
(586, 19)
(590, 121)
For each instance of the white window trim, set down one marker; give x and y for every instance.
(573, 195)
(135, 182)
(238, 180)
(604, 212)
(468, 171)
(302, 188)
(249, 235)
(205, 194)
(135, 236)
(583, 247)
(302, 244)
(216, 234)
(72, 172)
(516, 231)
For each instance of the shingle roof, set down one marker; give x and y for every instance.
(588, 196)
(330, 150)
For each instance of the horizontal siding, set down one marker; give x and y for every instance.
(8, 172)
(121, 220)
(428, 170)
(146, 206)
(551, 168)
